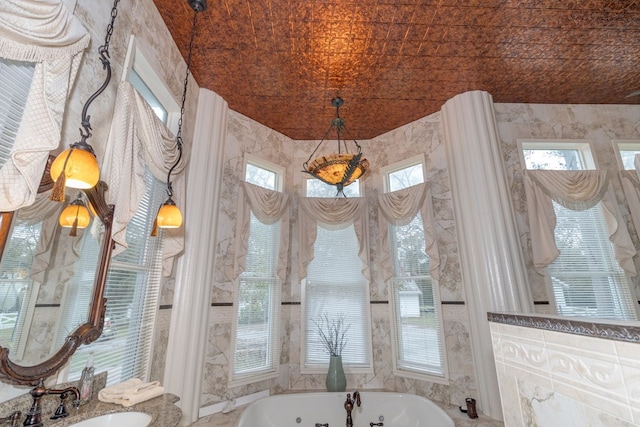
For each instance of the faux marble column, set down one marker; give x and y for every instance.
(192, 299)
(493, 269)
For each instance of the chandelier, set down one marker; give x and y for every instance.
(342, 167)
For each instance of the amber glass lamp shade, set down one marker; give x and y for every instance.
(333, 168)
(80, 168)
(169, 215)
(76, 214)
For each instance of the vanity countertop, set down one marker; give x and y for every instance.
(162, 409)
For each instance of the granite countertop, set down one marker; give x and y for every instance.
(162, 409)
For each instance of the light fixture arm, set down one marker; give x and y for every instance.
(103, 51)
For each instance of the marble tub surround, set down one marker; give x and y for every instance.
(565, 371)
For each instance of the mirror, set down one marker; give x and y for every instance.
(36, 303)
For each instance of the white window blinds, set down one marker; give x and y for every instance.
(257, 298)
(587, 280)
(335, 287)
(133, 284)
(16, 80)
(17, 290)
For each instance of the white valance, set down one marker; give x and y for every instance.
(269, 207)
(333, 214)
(138, 138)
(400, 208)
(43, 32)
(576, 190)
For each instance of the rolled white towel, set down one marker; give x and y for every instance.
(134, 398)
(127, 390)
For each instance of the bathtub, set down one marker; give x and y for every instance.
(309, 409)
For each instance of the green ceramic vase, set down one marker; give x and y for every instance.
(336, 380)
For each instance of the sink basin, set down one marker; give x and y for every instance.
(120, 419)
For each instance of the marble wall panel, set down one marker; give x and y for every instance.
(564, 379)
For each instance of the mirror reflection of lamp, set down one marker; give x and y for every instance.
(169, 215)
(77, 166)
(75, 216)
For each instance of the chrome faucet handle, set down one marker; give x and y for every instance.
(14, 418)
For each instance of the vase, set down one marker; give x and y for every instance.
(336, 381)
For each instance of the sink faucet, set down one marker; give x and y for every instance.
(14, 418)
(34, 416)
(348, 406)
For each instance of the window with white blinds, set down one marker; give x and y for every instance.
(18, 292)
(135, 275)
(16, 80)
(257, 298)
(335, 288)
(132, 290)
(586, 280)
(417, 313)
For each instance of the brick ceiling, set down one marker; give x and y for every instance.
(280, 62)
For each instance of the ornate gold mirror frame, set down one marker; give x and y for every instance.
(86, 333)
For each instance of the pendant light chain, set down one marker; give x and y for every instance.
(184, 97)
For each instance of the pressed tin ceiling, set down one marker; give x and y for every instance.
(280, 62)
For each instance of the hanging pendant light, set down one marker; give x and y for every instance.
(342, 167)
(77, 166)
(169, 215)
(75, 216)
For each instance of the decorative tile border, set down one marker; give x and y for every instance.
(570, 326)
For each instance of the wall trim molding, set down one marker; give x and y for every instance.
(609, 331)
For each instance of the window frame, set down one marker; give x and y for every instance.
(583, 146)
(322, 368)
(586, 149)
(399, 370)
(236, 380)
(624, 145)
(136, 59)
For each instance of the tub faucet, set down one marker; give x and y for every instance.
(34, 416)
(348, 406)
(14, 418)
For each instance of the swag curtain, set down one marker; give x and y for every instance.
(269, 207)
(138, 138)
(333, 214)
(400, 208)
(575, 190)
(43, 32)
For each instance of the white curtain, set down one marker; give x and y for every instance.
(47, 212)
(138, 138)
(575, 190)
(400, 208)
(631, 187)
(43, 32)
(332, 214)
(269, 207)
